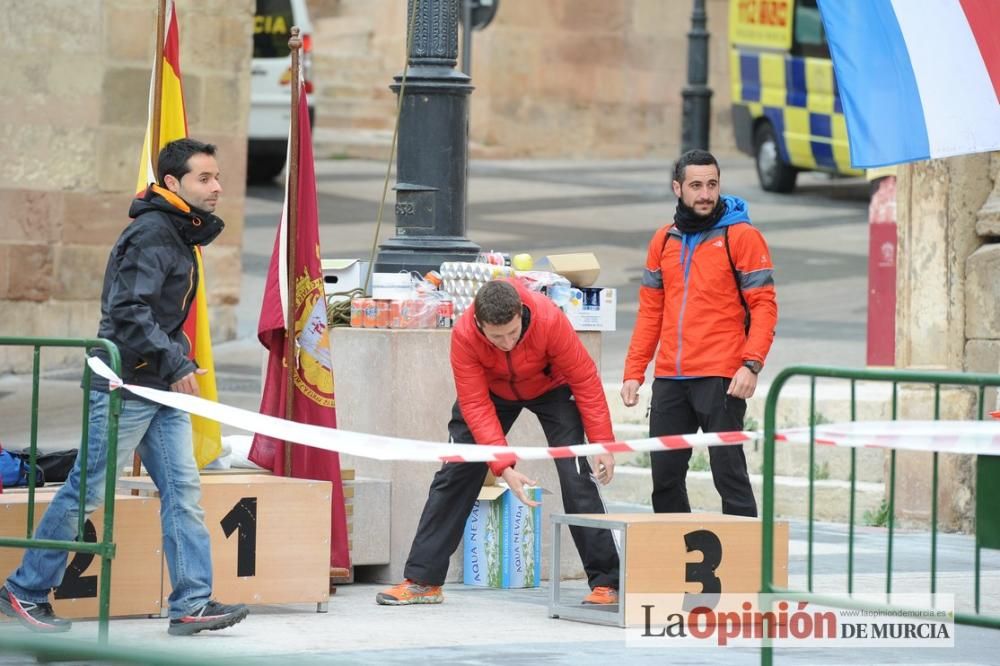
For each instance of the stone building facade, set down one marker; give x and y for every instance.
(567, 78)
(75, 81)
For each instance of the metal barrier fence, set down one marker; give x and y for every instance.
(987, 490)
(104, 547)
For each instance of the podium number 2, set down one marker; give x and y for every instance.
(74, 584)
(708, 544)
(243, 519)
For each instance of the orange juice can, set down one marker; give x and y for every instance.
(357, 312)
(368, 314)
(395, 314)
(382, 316)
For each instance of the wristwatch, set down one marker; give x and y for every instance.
(753, 366)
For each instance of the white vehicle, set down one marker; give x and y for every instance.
(270, 84)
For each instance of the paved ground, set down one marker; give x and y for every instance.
(477, 625)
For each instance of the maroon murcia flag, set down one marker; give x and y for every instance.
(313, 373)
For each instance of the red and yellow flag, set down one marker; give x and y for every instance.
(206, 434)
(312, 375)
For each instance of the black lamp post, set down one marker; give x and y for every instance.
(432, 162)
(697, 96)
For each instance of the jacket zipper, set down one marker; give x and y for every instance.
(184, 303)
(680, 318)
(510, 366)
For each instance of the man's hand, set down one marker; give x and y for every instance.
(188, 383)
(604, 467)
(630, 392)
(744, 384)
(517, 481)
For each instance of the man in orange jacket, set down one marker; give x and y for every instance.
(707, 301)
(515, 350)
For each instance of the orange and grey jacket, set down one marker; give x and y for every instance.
(690, 301)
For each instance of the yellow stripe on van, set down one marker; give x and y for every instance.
(797, 137)
(772, 79)
(819, 84)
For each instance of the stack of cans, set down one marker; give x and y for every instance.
(410, 313)
(463, 279)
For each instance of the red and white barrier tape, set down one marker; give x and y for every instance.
(965, 437)
(381, 447)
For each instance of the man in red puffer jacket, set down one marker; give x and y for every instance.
(515, 350)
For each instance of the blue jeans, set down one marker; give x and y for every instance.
(162, 437)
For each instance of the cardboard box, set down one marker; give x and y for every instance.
(581, 268)
(593, 309)
(503, 540)
(343, 275)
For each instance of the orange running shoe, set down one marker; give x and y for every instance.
(409, 592)
(602, 596)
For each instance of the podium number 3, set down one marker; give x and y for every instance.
(243, 519)
(708, 544)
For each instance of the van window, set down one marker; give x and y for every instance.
(808, 36)
(272, 26)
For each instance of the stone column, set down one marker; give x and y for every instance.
(944, 294)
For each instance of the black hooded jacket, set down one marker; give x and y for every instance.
(149, 283)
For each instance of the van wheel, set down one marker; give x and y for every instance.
(264, 168)
(774, 175)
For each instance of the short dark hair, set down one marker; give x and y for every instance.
(696, 156)
(497, 303)
(173, 158)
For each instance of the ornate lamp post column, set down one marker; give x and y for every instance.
(432, 161)
(697, 95)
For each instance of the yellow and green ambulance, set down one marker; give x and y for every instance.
(786, 107)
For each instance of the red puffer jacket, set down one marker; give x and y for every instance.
(549, 355)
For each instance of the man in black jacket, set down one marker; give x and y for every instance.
(150, 280)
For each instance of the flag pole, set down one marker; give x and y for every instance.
(154, 130)
(291, 239)
(154, 135)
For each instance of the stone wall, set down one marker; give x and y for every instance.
(587, 78)
(72, 119)
(948, 312)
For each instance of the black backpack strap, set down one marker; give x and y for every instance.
(739, 285)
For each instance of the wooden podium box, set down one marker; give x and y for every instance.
(673, 562)
(270, 539)
(135, 571)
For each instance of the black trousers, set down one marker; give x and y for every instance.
(456, 486)
(680, 407)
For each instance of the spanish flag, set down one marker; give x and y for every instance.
(206, 434)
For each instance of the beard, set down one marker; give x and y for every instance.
(688, 220)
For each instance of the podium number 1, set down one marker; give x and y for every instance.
(243, 519)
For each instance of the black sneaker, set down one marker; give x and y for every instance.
(209, 617)
(37, 617)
